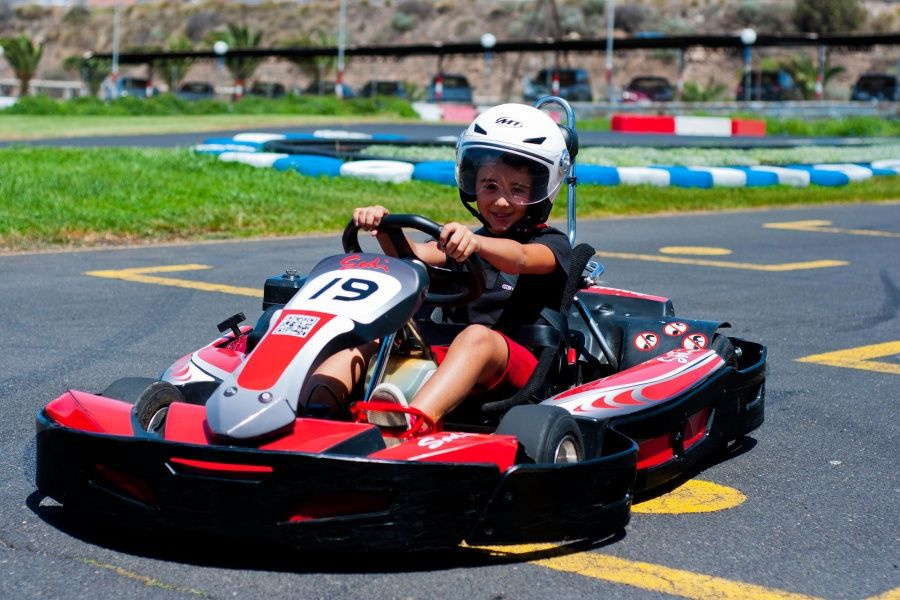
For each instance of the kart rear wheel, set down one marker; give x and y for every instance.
(548, 434)
(152, 407)
(724, 348)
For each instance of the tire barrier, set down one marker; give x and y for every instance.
(311, 165)
(278, 151)
(255, 159)
(687, 125)
(438, 171)
(393, 171)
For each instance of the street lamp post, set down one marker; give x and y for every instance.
(220, 48)
(820, 74)
(748, 38)
(114, 75)
(610, 27)
(339, 80)
(488, 41)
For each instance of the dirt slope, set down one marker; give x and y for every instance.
(70, 32)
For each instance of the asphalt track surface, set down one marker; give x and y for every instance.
(428, 132)
(820, 477)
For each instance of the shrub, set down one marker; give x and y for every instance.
(403, 21)
(828, 16)
(168, 104)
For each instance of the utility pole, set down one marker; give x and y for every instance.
(114, 75)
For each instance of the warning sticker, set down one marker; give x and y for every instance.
(694, 341)
(676, 328)
(646, 341)
(296, 325)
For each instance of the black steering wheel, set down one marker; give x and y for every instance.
(466, 284)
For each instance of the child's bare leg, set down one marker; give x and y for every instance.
(333, 381)
(477, 355)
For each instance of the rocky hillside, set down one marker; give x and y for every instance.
(73, 31)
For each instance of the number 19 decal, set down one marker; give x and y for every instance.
(357, 289)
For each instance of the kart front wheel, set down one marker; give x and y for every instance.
(152, 407)
(725, 349)
(548, 434)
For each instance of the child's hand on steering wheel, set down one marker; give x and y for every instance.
(458, 242)
(368, 218)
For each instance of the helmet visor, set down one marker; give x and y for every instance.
(520, 178)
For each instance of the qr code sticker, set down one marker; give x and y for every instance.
(296, 325)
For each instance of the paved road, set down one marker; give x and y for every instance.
(820, 477)
(431, 131)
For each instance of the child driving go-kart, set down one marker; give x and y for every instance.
(510, 164)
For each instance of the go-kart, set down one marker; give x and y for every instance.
(625, 397)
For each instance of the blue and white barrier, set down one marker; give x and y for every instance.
(249, 148)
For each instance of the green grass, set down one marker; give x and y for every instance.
(26, 127)
(58, 197)
(687, 156)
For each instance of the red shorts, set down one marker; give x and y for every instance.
(519, 365)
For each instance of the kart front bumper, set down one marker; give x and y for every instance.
(329, 501)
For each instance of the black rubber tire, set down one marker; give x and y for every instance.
(127, 389)
(724, 348)
(152, 407)
(548, 434)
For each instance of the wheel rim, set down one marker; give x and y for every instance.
(566, 451)
(157, 420)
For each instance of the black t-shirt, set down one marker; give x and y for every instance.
(511, 301)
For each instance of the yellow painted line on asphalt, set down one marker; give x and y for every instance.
(695, 250)
(147, 581)
(642, 575)
(860, 358)
(693, 496)
(893, 594)
(792, 266)
(817, 226)
(140, 275)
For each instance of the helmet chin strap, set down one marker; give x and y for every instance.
(536, 214)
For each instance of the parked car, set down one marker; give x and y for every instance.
(383, 88)
(876, 86)
(770, 86)
(324, 88)
(574, 85)
(267, 89)
(648, 89)
(139, 87)
(196, 90)
(456, 88)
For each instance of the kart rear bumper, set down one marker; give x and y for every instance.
(331, 502)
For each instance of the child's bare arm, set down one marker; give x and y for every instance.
(459, 242)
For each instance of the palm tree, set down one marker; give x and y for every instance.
(93, 70)
(173, 70)
(316, 67)
(23, 56)
(240, 37)
(805, 72)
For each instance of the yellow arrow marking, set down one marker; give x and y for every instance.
(140, 276)
(642, 575)
(693, 496)
(860, 358)
(816, 226)
(794, 266)
(695, 250)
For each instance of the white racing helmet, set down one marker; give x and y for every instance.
(520, 136)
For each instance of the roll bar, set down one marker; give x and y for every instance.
(570, 178)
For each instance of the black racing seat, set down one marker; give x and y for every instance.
(551, 339)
